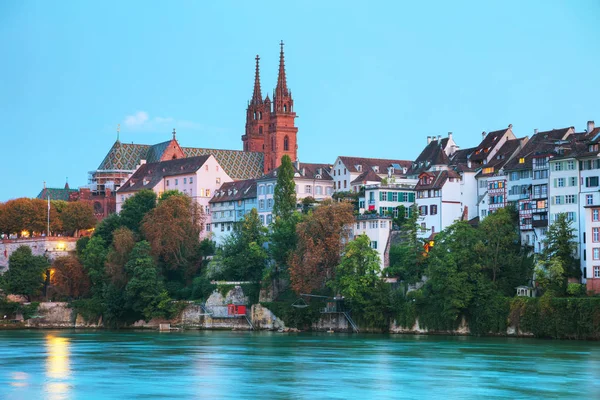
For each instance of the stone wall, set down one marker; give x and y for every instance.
(59, 315)
(53, 247)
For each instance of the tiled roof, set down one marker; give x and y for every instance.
(489, 141)
(383, 164)
(233, 191)
(460, 160)
(539, 144)
(306, 170)
(433, 154)
(368, 176)
(503, 156)
(439, 179)
(237, 164)
(149, 174)
(56, 193)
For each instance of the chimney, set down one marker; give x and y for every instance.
(428, 139)
(297, 164)
(439, 138)
(449, 135)
(509, 126)
(535, 131)
(482, 135)
(590, 126)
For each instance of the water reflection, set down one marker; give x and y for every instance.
(58, 368)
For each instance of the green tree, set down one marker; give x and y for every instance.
(136, 207)
(560, 246)
(243, 255)
(107, 226)
(93, 260)
(76, 216)
(408, 260)
(26, 273)
(145, 286)
(284, 197)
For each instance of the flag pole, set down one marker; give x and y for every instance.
(48, 216)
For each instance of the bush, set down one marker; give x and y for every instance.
(576, 290)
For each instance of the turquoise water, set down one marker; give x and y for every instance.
(182, 365)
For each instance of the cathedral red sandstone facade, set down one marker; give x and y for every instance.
(270, 124)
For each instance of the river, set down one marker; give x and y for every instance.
(219, 364)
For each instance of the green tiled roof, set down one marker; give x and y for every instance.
(56, 193)
(238, 164)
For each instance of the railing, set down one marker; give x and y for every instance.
(350, 321)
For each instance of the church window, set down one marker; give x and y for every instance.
(285, 108)
(260, 131)
(286, 143)
(260, 115)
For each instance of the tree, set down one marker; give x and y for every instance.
(118, 254)
(69, 278)
(284, 197)
(144, 287)
(93, 260)
(107, 226)
(77, 216)
(358, 271)
(321, 237)
(136, 207)
(408, 259)
(26, 273)
(243, 255)
(173, 230)
(560, 246)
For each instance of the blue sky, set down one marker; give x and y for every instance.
(369, 79)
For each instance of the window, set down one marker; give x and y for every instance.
(286, 143)
(184, 181)
(596, 272)
(591, 181)
(269, 218)
(571, 164)
(361, 204)
(558, 199)
(329, 191)
(570, 199)
(560, 182)
(207, 192)
(176, 182)
(261, 204)
(433, 209)
(218, 180)
(573, 181)
(423, 210)
(262, 219)
(522, 160)
(488, 170)
(344, 184)
(558, 166)
(222, 227)
(383, 196)
(270, 189)
(358, 225)
(596, 253)
(374, 245)
(269, 203)
(167, 182)
(207, 227)
(191, 179)
(207, 209)
(571, 216)
(261, 189)
(483, 213)
(308, 189)
(595, 235)
(319, 190)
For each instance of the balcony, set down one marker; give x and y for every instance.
(540, 223)
(525, 227)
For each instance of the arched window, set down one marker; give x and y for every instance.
(254, 114)
(273, 143)
(260, 115)
(285, 108)
(286, 143)
(260, 130)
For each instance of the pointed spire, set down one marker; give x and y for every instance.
(67, 183)
(256, 95)
(118, 131)
(174, 133)
(281, 90)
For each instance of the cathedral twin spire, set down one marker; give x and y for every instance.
(281, 90)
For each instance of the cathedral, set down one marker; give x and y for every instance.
(269, 135)
(270, 124)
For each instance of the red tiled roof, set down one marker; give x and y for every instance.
(233, 191)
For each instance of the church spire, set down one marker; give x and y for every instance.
(256, 95)
(281, 90)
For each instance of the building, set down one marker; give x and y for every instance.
(384, 199)
(311, 180)
(230, 203)
(103, 204)
(378, 229)
(197, 177)
(351, 173)
(438, 200)
(270, 126)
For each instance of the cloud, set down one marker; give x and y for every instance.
(141, 121)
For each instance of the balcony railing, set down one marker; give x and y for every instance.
(542, 223)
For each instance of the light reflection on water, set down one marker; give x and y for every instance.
(101, 364)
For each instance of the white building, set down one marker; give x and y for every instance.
(438, 200)
(231, 202)
(197, 177)
(351, 173)
(384, 199)
(378, 230)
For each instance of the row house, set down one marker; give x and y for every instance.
(197, 177)
(311, 180)
(349, 174)
(231, 202)
(528, 183)
(438, 200)
(384, 199)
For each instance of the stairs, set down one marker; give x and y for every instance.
(351, 321)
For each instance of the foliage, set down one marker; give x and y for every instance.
(320, 242)
(202, 288)
(173, 230)
(243, 255)
(301, 318)
(89, 309)
(283, 240)
(12, 308)
(560, 246)
(284, 197)
(136, 207)
(80, 245)
(550, 276)
(69, 278)
(107, 226)
(576, 290)
(118, 255)
(26, 273)
(93, 259)
(407, 259)
(76, 216)
(401, 219)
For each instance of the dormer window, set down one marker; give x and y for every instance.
(522, 160)
(359, 168)
(376, 168)
(318, 176)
